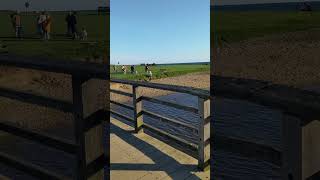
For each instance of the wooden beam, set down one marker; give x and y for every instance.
(204, 133)
(53, 142)
(174, 88)
(170, 120)
(137, 114)
(93, 70)
(121, 93)
(96, 131)
(31, 169)
(81, 164)
(37, 100)
(171, 104)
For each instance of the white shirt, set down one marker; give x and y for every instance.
(42, 19)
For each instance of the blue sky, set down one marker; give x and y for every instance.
(160, 31)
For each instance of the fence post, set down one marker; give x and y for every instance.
(79, 127)
(204, 133)
(137, 104)
(89, 131)
(301, 149)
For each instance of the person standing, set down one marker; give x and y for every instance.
(68, 21)
(17, 21)
(47, 27)
(13, 22)
(73, 25)
(41, 23)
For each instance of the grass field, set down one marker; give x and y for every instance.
(160, 71)
(60, 46)
(235, 26)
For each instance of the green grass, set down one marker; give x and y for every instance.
(160, 71)
(237, 26)
(60, 46)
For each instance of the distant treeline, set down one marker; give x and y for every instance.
(289, 6)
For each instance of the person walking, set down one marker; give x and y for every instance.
(17, 21)
(47, 27)
(132, 69)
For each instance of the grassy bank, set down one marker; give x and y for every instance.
(59, 46)
(233, 26)
(159, 71)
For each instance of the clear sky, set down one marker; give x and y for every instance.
(159, 31)
(53, 4)
(227, 2)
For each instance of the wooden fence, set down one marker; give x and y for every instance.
(89, 151)
(300, 156)
(203, 111)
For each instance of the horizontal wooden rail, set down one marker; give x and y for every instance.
(167, 119)
(292, 101)
(95, 119)
(180, 89)
(170, 136)
(121, 116)
(248, 149)
(96, 165)
(122, 105)
(171, 104)
(121, 93)
(31, 169)
(84, 69)
(37, 100)
(53, 142)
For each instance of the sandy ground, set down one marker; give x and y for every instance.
(290, 59)
(196, 80)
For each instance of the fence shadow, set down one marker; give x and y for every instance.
(162, 161)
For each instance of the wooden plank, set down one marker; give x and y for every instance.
(94, 105)
(35, 99)
(92, 70)
(292, 151)
(96, 166)
(167, 103)
(31, 169)
(95, 119)
(170, 136)
(81, 163)
(122, 105)
(310, 149)
(170, 120)
(137, 113)
(122, 116)
(296, 102)
(180, 89)
(121, 93)
(248, 149)
(53, 142)
(204, 133)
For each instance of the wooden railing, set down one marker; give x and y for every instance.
(300, 155)
(203, 111)
(90, 160)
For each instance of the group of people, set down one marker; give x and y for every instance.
(44, 25)
(44, 22)
(133, 70)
